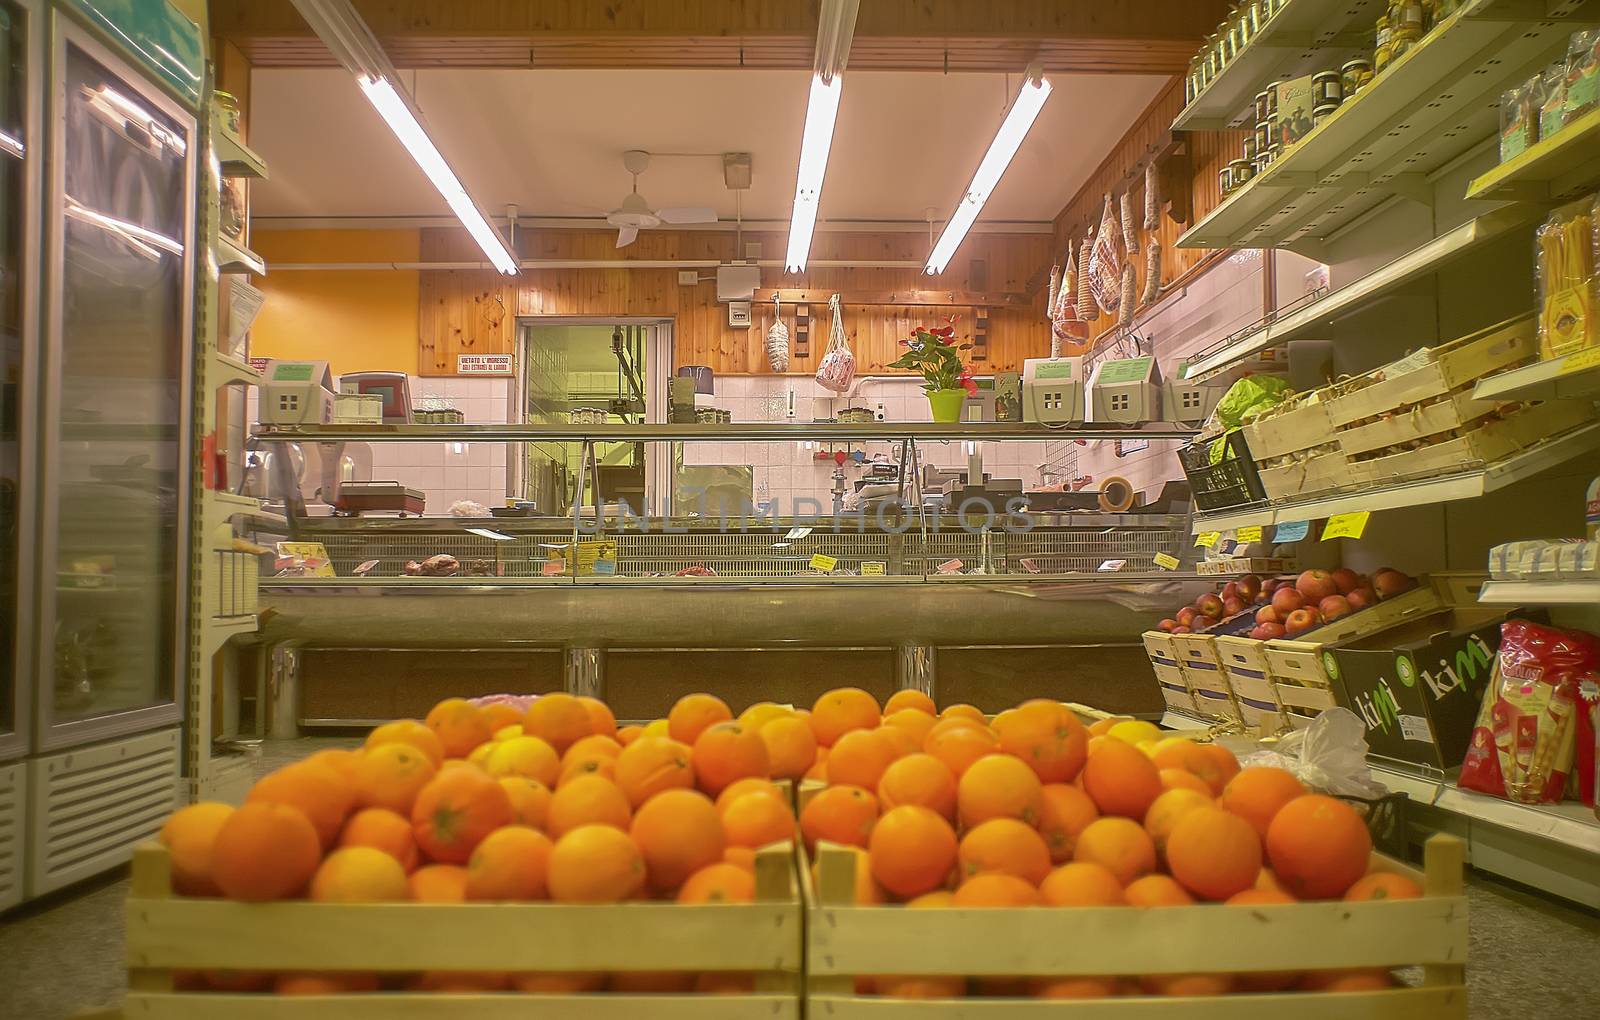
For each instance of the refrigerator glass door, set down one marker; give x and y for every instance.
(111, 641)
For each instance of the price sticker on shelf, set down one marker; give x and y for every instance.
(795, 534)
(1250, 534)
(823, 563)
(1346, 525)
(873, 568)
(1166, 561)
(1293, 531)
(1112, 566)
(1580, 361)
(1207, 539)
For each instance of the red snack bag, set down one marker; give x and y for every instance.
(1523, 743)
(1588, 756)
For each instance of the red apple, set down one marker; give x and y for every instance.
(1272, 630)
(1230, 590)
(1232, 606)
(1202, 622)
(1186, 616)
(1300, 621)
(1167, 625)
(1269, 586)
(1316, 585)
(1180, 630)
(1333, 607)
(1361, 598)
(1389, 582)
(1346, 580)
(1249, 587)
(1268, 614)
(1286, 600)
(1208, 605)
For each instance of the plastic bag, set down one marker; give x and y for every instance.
(838, 366)
(1249, 396)
(778, 339)
(1328, 756)
(1105, 262)
(1567, 251)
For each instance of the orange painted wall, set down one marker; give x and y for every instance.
(358, 320)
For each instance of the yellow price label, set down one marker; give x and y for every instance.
(1346, 525)
(1251, 534)
(1580, 361)
(1207, 539)
(1166, 561)
(823, 563)
(873, 568)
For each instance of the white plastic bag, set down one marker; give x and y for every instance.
(778, 339)
(1328, 756)
(838, 366)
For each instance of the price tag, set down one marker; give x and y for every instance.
(1207, 539)
(823, 563)
(605, 568)
(795, 534)
(1112, 566)
(1028, 565)
(1580, 361)
(873, 568)
(1346, 525)
(1247, 535)
(1166, 561)
(552, 568)
(1294, 531)
(950, 566)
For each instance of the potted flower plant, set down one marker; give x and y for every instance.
(936, 356)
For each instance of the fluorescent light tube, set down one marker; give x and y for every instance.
(1024, 111)
(403, 122)
(821, 111)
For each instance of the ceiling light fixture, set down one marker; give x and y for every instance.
(836, 25)
(352, 43)
(1024, 111)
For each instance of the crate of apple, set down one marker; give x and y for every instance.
(1289, 606)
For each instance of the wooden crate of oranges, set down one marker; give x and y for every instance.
(1141, 875)
(489, 862)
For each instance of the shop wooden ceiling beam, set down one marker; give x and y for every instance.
(1086, 36)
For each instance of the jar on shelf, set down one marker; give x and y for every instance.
(1354, 76)
(228, 107)
(1227, 43)
(1326, 89)
(1191, 82)
(1245, 23)
(1225, 180)
(231, 209)
(1242, 172)
(1264, 134)
(1210, 59)
(1266, 101)
(1250, 152)
(1322, 113)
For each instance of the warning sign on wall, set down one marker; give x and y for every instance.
(483, 364)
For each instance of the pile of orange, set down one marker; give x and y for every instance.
(950, 809)
(491, 804)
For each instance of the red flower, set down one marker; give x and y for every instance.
(971, 387)
(905, 343)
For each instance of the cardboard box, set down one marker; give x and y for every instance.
(1296, 104)
(1267, 566)
(1418, 685)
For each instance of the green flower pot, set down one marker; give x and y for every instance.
(946, 404)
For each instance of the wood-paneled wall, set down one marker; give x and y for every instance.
(473, 311)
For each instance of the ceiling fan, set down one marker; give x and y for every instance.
(635, 213)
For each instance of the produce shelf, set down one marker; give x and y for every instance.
(820, 432)
(234, 370)
(1576, 375)
(1560, 167)
(236, 158)
(234, 259)
(1417, 116)
(1541, 593)
(1571, 823)
(1306, 320)
(1302, 37)
(1465, 485)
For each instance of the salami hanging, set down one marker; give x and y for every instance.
(1052, 300)
(1088, 308)
(1152, 272)
(1130, 229)
(1130, 294)
(1152, 198)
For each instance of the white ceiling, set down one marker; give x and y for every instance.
(552, 141)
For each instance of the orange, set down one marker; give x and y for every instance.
(408, 731)
(382, 829)
(628, 734)
(324, 983)
(359, 874)
(590, 765)
(1374, 980)
(1073, 988)
(499, 715)
(1383, 885)
(1256, 896)
(998, 786)
(391, 775)
(460, 726)
(1121, 845)
(864, 888)
(1156, 891)
(911, 722)
(939, 898)
(1082, 884)
(791, 746)
(1264, 981)
(602, 721)
(1171, 753)
(479, 755)
(558, 982)
(1165, 812)
(678, 833)
(1183, 779)
(1187, 985)
(1257, 793)
(1121, 780)
(560, 720)
(457, 808)
(927, 986)
(912, 850)
(960, 745)
(1047, 736)
(964, 711)
(859, 758)
(1064, 811)
(758, 819)
(652, 764)
(751, 784)
(725, 752)
(694, 714)
(341, 761)
(902, 742)
(713, 982)
(595, 864)
(1007, 846)
(1214, 853)
(318, 791)
(460, 982)
(530, 801)
(818, 770)
(189, 835)
(511, 863)
(761, 713)
(439, 883)
(587, 800)
(593, 746)
(993, 889)
(839, 814)
(720, 882)
(653, 982)
(742, 856)
(912, 699)
(1213, 763)
(237, 980)
(955, 722)
(919, 779)
(841, 710)
(1318, 847)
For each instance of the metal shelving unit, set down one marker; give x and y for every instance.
(1561, 167)
(737, 431)
(234, 259)
(1575, 376)
(1541, 593)
(236, 158)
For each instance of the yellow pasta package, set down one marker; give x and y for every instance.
(1569, 288)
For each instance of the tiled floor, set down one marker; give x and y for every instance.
(1530, 957)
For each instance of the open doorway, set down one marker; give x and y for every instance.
(591, 372)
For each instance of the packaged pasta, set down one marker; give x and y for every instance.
(1583, 74)
(1553, 100)
(1569, 290)
(1519, 119)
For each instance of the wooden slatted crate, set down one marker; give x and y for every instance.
(1169, 677)
(844, 941)
(167, 933)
